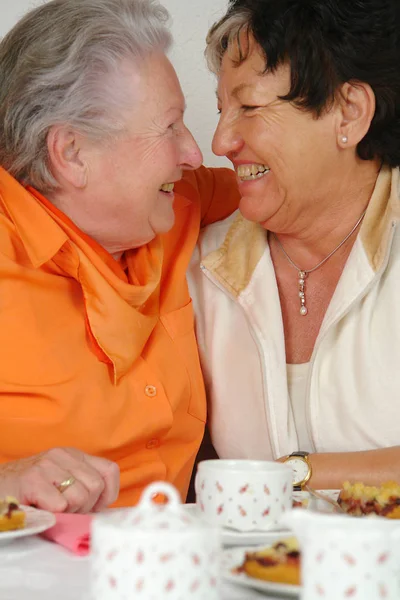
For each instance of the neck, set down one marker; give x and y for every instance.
(316, 232)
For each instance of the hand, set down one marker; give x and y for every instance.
(282, 459)
(34, 481)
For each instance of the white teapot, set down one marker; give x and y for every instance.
(346, 557)
(154, 552)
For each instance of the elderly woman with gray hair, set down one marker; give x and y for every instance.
(101, 390)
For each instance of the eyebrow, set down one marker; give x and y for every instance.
(177, 108)
(239, 88)
(236, 90)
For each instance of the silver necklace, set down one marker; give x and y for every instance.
(303, 273)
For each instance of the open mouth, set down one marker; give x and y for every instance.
(167, 188)
(251, 171)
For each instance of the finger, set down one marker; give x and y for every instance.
(93, 482)
(74, 462)
(110, 473)
(37, 489)
(76, 496)
(70, 458)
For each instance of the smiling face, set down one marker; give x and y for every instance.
(127, 198)
(284, 157)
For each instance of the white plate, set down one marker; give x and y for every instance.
(234, 557)
(36, 522)
(230, 537)
(304, 496)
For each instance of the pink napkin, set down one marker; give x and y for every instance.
(72, 532)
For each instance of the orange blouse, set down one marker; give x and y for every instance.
(97, 356)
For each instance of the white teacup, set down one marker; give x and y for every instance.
(246, 495)
(154, 552)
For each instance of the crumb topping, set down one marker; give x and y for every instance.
(360, 499)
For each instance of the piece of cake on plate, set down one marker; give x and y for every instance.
(12, 516)
(359, 499)
(279, 563)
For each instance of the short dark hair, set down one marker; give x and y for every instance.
(326, 43)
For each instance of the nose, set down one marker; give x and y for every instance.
(227, 140)
(191, 156)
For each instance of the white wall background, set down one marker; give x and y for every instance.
(190, 22)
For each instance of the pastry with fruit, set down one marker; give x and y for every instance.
(279, 563)
(12, 516)
(359, 499)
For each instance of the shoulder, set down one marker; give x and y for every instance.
(213, 236)
(12, 250)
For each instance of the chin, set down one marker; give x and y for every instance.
(258, 209)
(252, 208)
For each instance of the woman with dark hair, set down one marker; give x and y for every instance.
(300, 339)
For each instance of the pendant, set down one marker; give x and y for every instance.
(302, 293)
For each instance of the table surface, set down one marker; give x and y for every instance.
(34, 569)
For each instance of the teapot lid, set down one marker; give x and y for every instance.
(149, 515)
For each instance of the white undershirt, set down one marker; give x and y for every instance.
(297, 385)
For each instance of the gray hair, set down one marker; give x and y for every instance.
(223, 33)
(57, 66)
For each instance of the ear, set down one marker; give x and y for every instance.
(357, 109)
(64, 146)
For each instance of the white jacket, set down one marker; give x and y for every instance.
(353, 390)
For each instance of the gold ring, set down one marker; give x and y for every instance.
(64, 485)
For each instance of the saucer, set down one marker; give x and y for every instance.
(231, 537)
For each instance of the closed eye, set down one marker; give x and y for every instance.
(247, 107)
(176, 127)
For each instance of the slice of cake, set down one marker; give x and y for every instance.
(279, 563)
(11, 514)
(359, 499)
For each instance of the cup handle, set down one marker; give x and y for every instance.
(160, 487)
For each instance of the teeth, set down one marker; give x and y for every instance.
(167, 187)
(253, 171)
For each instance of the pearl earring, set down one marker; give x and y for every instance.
(345, 139)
